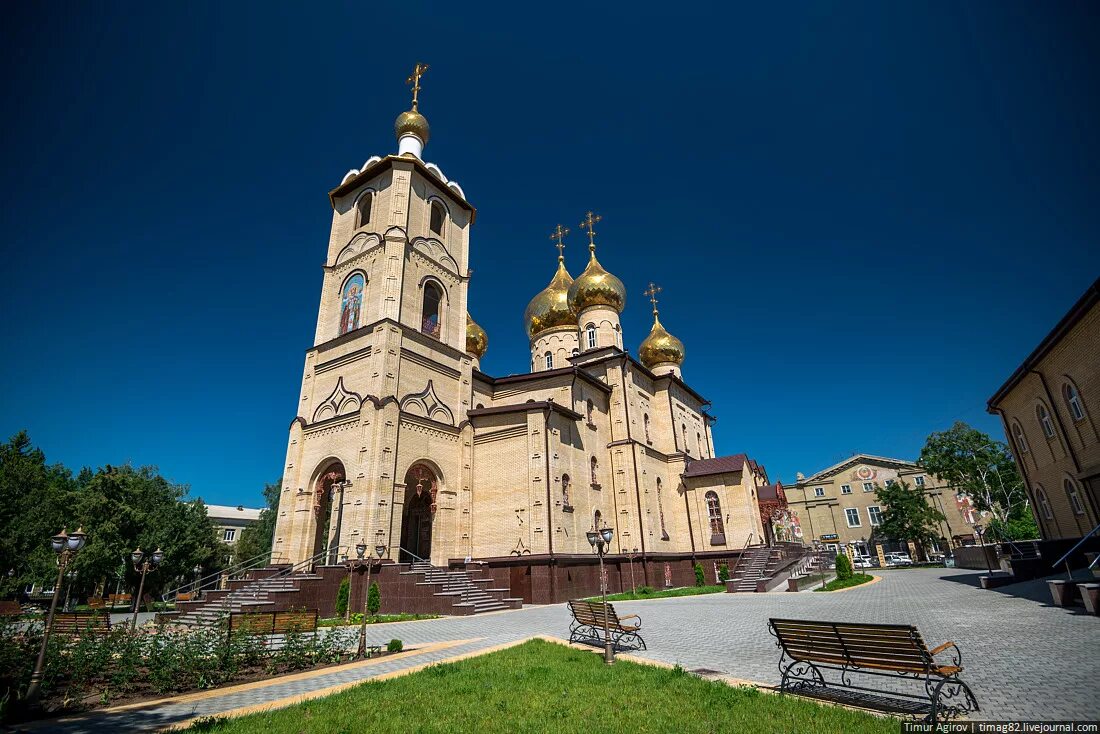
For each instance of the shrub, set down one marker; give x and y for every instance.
(342, 597)
(395, 646)
(374, 598)
(843, 567)
(723, 573)
(645, 591)
(700, 580)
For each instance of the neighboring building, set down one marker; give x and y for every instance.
(401, 440)
(839, 508)
(1049, 408)
(230, 521)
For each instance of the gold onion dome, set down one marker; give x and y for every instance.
(551, 307)
(596, 287)
(660, 347)
(414, 123)
(477, 341)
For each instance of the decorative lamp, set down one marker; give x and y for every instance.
(136, 556)
(59, 541)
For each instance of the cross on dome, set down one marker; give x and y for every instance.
(414, 80)
(589, 224)
(651, 292)
(559, 234)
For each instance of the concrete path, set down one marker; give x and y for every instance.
(1023, 658)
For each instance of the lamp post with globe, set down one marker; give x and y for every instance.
(66, 547)
(600, 540)
(144, 565)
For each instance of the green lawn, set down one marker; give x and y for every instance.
(646, 592)
(544, 687)
(855, 580)
(357, 619)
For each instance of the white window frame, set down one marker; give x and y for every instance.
(1044, 420)
(919, 481)
(1076, 410)
(591, 336)
(868, 486)
(229, 535)
(845, 489)
(1074, 497)
(849, 514)
(549, 357)
(1021, 439)
(819, 491)
(871, 516)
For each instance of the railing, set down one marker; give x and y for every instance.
(1070, 552)
(410, 554)
(198, 585)
(740, 556)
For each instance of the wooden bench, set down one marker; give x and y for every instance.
(80, 624)
(119, 600)
(10, 608)
(588, 625)
(889, 650)
(273, 625)
(96, 602)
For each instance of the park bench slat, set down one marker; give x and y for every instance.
(78, 624)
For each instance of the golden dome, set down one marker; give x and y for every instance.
(412, 122)
(477, 341)
(596, 287)
(660, 347)
(551, 307)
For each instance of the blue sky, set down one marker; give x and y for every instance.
(863, 215)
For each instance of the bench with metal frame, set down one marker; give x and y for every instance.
(889, 650)
(273, 625)
(588, 625)
(81, 624)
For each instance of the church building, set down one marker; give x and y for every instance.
(401, 441)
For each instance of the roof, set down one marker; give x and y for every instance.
(856, 459)
(767, 492)
(379, 166)
(543, 375)
(717, 465)
(225, 512)
(1084, 304)
(526, 408)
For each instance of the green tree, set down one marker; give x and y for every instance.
(257, 540)
(843, 566)
(342, 597)
(374, 598)
(908, 515)
(700, 579)
(982, 468)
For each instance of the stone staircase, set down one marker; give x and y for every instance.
(753, 568)
(468, 594)
(249, 597)
(765, 568)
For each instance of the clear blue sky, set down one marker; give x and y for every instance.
(880, 207)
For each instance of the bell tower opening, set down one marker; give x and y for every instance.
(421, 486)
(328, 504)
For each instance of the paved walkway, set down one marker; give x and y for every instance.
(1023, 658)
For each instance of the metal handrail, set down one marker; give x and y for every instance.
(401, 550)
(1074, 548)
(248, 565)
(741, 556)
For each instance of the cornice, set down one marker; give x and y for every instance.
(383, 165)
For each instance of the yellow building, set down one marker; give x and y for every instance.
(401, 440)
(1049, 408)
(838, 507)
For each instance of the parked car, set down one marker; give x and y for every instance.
(862, 562)
(898, 559)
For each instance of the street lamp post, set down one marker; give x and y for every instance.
(630, 554)
(143, 566)
(600, 540)
(66, 547)
(361, 552)
(198, 576)
(979, 530)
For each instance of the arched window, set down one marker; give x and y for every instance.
(439, 215)
(351, 302)
(595, 465)
(684, 433)
(1073, 402)
(1021, 442)
(645, 423)
(575, 352)
(714, 514)
(590, 336)
(661, 510)
(1074, 498)
(597, 519)
(589, 407)
(433, 297)
(366, 201)
(1044, 504)
(699, 443)
(549, 357)
(565, 489)
(1044, 420)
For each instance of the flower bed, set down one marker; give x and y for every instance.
(126, 665)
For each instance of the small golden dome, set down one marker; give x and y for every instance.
(660, 347)
(596, 287)
(551, 307)
(412, 122)
(477, 341)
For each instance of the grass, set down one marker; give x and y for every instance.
(357, 619)
(855, 580)
(648, 592)
(541, 686)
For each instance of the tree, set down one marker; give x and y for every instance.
(843, 567)
(374, 598)
(982, 468)
(342, 595)
(257, 540)
(908, 515)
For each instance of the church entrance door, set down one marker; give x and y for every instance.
(328, 513)
(421, 486)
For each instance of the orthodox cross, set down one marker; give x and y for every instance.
(414, 80)
(559, 234)
(652, 292)
(589, 224)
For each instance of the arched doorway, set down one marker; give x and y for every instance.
(327, 511)
(421, 486)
